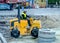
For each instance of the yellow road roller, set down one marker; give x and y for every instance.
(21, 27)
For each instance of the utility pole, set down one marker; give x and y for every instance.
(18, 16)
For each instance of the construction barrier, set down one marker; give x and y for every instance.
(46, 35)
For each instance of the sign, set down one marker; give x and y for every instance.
(4, 6)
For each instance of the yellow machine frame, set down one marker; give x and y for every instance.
(22, 26)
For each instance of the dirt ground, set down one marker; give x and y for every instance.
(29, 39)
(25, 39)
(47, 21)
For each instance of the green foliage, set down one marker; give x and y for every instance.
(53, 1)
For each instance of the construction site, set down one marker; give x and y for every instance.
(26, 22)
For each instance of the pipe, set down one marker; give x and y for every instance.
(3, 40)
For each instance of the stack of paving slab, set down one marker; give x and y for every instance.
(6, 19)
(46, 36)
(48, 21)
(5, 28)
(6, 16)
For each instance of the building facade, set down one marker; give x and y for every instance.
(42, 3)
